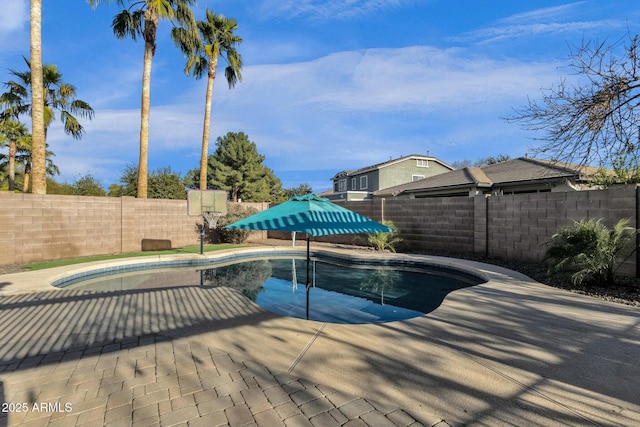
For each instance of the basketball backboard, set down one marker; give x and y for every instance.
(201, 201)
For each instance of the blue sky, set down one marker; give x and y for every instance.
(327, 85)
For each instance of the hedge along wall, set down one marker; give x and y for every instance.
(46, 227)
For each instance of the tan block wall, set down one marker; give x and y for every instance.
(511, 226)
(520, 225)
(44, 227)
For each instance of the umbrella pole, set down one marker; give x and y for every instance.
(308, 258)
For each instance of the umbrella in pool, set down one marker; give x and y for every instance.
(313, 215)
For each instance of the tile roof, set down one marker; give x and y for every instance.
(522, 169)
(526, 169)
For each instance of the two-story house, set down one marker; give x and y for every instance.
(520, 175)
(360, 184)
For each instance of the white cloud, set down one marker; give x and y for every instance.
(416, 79)
(15, 14)
(546, 14)
(14, 32)
(357, 107)
(568, 20)
(340, 111)
(322, 10)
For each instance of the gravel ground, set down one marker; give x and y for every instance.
(626, 291)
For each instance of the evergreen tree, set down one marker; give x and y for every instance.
(236, 167)
(163, 183)
(87, 185)
(166, 184)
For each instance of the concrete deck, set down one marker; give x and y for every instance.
(507, 352)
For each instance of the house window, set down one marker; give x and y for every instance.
(417, 177)
(342, 185)
(353, 183)
(364, 182)
(422, 163)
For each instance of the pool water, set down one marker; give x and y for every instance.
(337, 293)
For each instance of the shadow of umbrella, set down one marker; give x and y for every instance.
(312, 215)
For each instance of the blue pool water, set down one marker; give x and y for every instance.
(337, 293)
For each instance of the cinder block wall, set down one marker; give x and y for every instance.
(510, 226)
(44, 227)
(440, 224)
(520, 225)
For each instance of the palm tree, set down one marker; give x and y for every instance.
(59, 96)
(216, 39)
(142, 19)
(37, 100)
(14, 134)
(26, 159)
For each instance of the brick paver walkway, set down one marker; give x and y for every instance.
(72, 358)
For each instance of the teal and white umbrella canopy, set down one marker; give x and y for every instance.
(311, 214)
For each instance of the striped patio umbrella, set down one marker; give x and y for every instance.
(313, 215)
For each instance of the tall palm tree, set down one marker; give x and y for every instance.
(26, 159)
(59, 96)
(216, 38)
(14, 135)
(141, 18)
(37, 100)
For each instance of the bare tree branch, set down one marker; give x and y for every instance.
(595, 120)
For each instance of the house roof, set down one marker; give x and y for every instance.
(381, 165)
(526, 169)
(520, 170)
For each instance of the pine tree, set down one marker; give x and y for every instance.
(236, 167)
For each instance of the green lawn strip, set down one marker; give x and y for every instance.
(186, 250)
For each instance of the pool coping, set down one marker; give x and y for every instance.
(51, 279)
(221, 258)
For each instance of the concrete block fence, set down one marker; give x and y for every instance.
(509, 226)
(45, 227)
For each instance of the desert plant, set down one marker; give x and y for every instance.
(588, 249)
(381, 241)
(235, 212)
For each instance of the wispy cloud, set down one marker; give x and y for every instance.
(546, 14)
(568, 19)
(418, 79)
(14, 29)
(321, 10)
(15, 14)
(341, 110)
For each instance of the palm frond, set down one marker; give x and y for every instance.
(128, 24)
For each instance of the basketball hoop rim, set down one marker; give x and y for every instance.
(211, 218)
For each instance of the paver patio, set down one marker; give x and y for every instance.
(507, 352)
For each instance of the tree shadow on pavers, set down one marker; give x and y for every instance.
(502, 353)
(57, 345)
(39, 324)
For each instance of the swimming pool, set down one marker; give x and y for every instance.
(339, 291)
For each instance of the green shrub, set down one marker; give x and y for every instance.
(235, 212)
(382, 241)
(588, 250)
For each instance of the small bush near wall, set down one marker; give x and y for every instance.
(235, 212)
(588, 251)
(383, 241)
